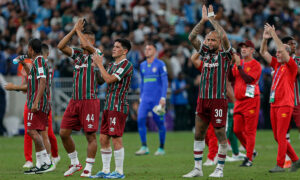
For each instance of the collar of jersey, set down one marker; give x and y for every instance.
(38, 57)
(120, 61)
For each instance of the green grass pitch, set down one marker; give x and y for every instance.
(177, 161)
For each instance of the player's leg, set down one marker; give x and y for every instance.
(53, 141)
(160, 122)
(106, 151)
(70, 122)
(27, 141)
(218, 118)
(37, 122)
(142, 117)
(118, 125)
(89, 117)
(239, 127)
(212, 143)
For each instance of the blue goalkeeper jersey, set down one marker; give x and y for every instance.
(154, 81)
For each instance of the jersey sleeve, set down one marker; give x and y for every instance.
(203, 49)
(40, 68)
(164, 78)
(228, 53)
(142, 79)
(123, 70)
(76, 54)
(292, 65)
(254, 71)
(274, 63)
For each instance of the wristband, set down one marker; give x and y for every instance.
(211, 14)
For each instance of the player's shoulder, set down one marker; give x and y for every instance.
(160, 62)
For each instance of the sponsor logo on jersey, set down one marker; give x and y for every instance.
(219, 121)
(41, 71)
(211, 65)
(90, 126)
(82, 66)
(112, 129)
(154, 69)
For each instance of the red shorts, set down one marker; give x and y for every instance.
(82, 114)
(113, 123)
(37, 120)
(213, 111)
(296, 115)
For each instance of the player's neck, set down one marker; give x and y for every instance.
(34, 56)
(119, 59)
(150, 60)
(248, 58)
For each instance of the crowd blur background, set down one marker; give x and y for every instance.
(167, 23)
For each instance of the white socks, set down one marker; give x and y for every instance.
(198, 153)
(89, 164)
(74, 158)
(221, 155)
(119, 159)
(41, 158)
(106, 157)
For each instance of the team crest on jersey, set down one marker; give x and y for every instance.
(29, 77)
(120, 70)
(248, 69)
(154, 69)
(218, 121)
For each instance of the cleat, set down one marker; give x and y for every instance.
(276, 169)
(217, 173)
(194, 173)
(160, 151)
(142, 151)
(255, 153)
(287, 164)
(55, 160)
(100, 174)
(246, 163)
(32, 170)
(209, 162)
(114, 175)
(72, 169)
(85, 173)
(28, 164)
(295, 166)
(45, 168)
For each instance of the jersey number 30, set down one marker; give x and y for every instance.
(219, 112)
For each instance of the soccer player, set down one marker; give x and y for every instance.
(281, 96)
(38, 93)
(83, 108)
(154, 85)
(49, 134)
(117, 75)
(246, 73)
(212, 102)
(296, 112)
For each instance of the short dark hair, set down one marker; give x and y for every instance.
(88, 32)
(45, 49)
(151, 44)
(36, 45)
(125, 43)
(286, 39)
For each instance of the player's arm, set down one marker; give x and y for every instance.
(14, 87)
(230, 92)
(142, 80)
(99, 79)
(84, 42)
(195, 60)
(247, 78)
(164, 79)
(98, 60)
(218, 28)
(264, 47)
(280, 46)
(62, 45)
(196, 30)
(41, 89)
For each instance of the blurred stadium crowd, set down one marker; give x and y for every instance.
(165, 22)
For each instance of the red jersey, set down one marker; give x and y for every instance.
(283, 83)
(251, 68)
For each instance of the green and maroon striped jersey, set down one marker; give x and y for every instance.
(84, 76)
(297, 83)
(116, 95)
(214, 73)
(38, 70)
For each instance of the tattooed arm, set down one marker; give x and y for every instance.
(219, 29)
(196, 30)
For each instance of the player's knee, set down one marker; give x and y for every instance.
(91, 137)
(63, 134)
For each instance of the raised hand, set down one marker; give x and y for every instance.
(97, 59)
(266, 34)
(237, 59)
(211, 11)
(204, 13)
(79, 25)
